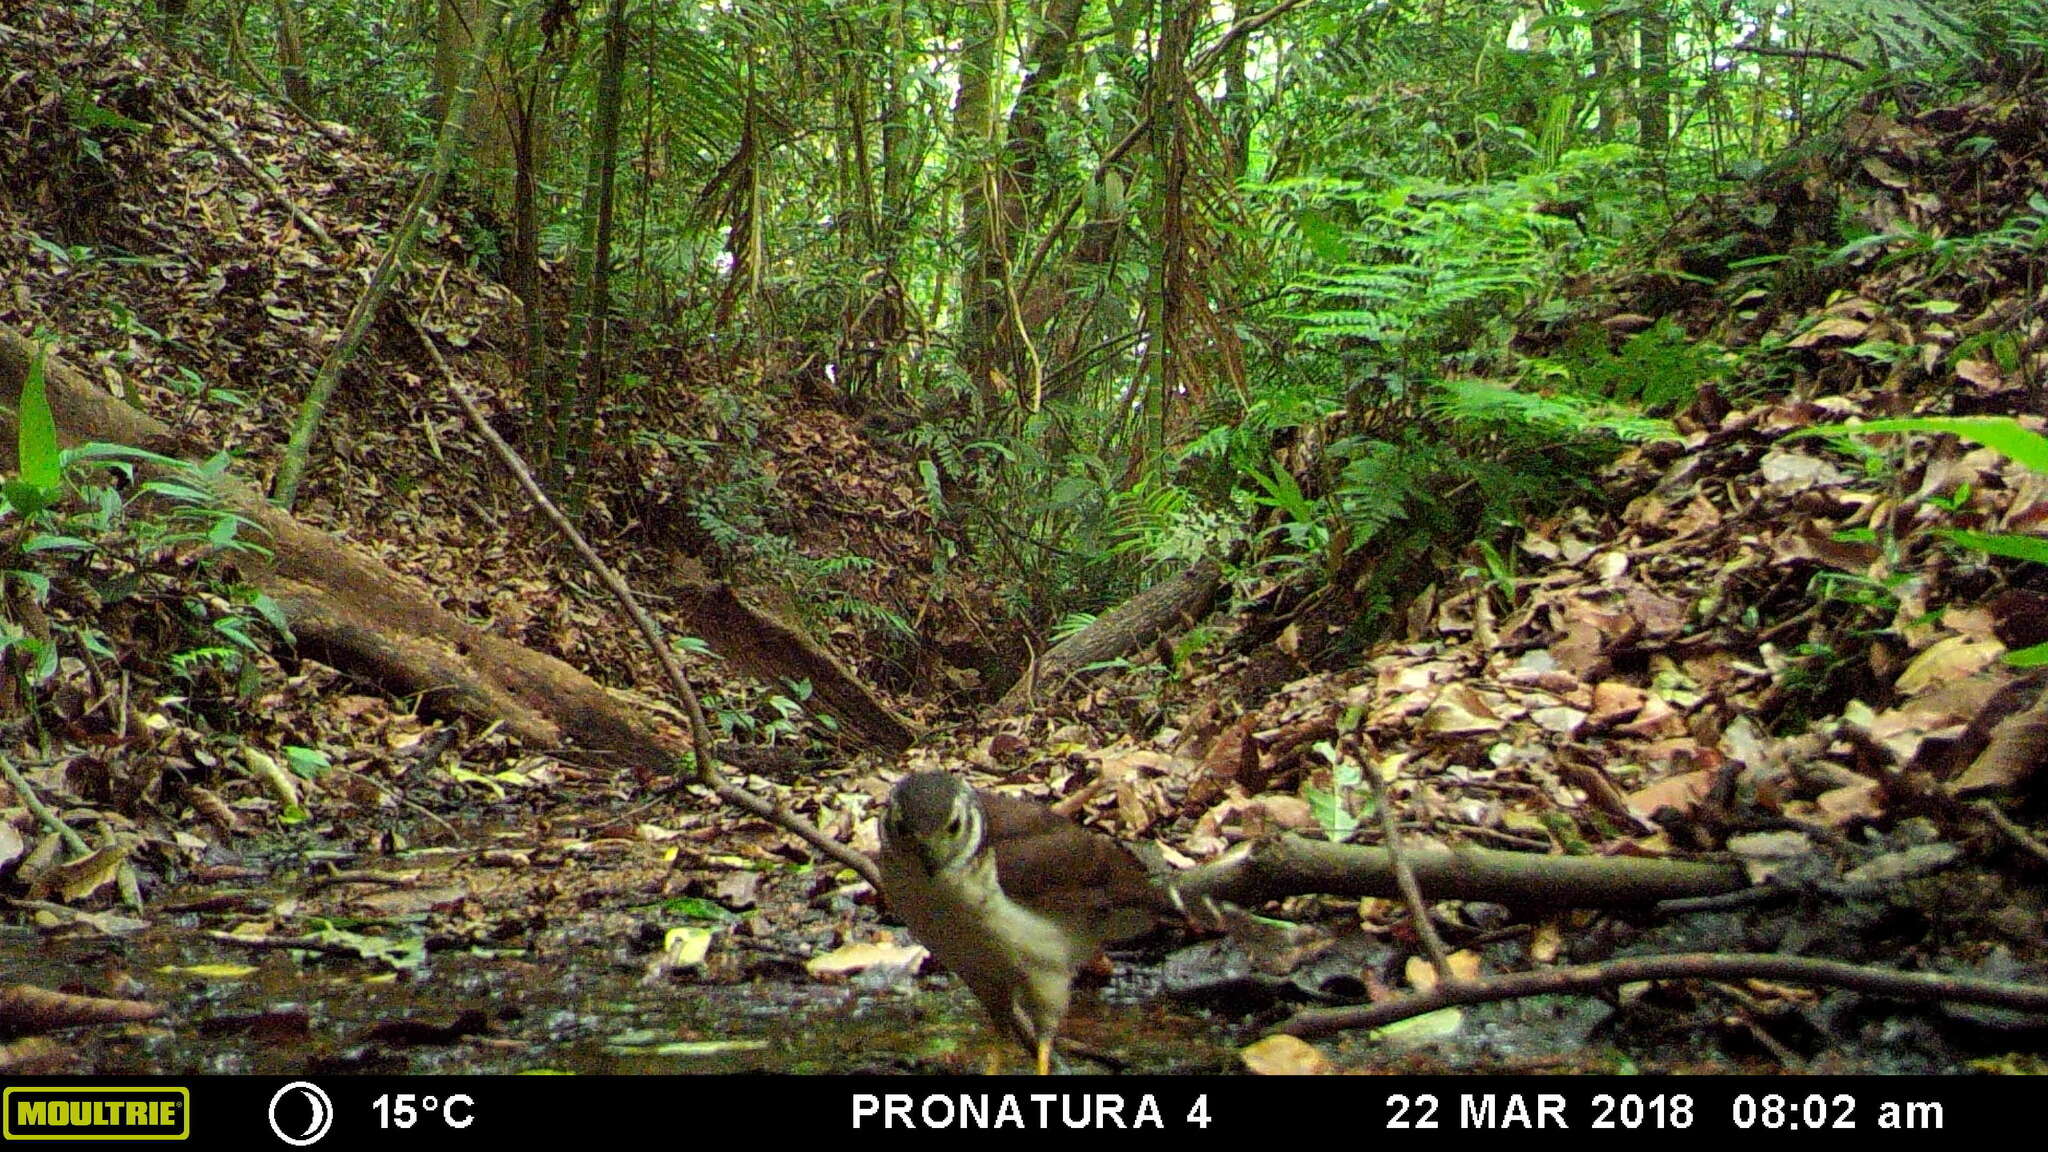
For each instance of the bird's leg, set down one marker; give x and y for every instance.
(1211, 917)
(1036, 1040)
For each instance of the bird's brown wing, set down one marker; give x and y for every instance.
(1060, 869)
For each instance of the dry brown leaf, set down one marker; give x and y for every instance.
(1682, 792)
(859, 956)
(1285, 1055)
(1949, 659)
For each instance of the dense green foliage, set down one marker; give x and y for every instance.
(1129, 283)
(91, 552)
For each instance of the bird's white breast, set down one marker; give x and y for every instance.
(975, 930)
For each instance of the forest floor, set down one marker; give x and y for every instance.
(1746, 647)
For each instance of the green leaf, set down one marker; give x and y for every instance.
(306, 763)
(1325, 239)
(2001, 433)
(236, 630)
(25, 498)
(1338, 822)
(1284, 493)
(100, 451)
(45, 659)
(2007, 544)
(697, 908)
(40, 463)
(272, 614)
(42, 466)
(2033, 657)
(182, 493)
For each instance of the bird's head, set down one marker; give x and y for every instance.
(935, 818)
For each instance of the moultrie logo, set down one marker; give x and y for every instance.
(94, 1113)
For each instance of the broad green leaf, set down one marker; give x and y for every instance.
(2007, 544)
(40, 463)
(100, 451)
(2002, 433)
(24, 497)
(697, 908)
(183, 493)
(306, 763)
(2033, 657)
(272, 614)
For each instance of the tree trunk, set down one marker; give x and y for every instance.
(350, 611)
(397, 253)
(522, 256)
(981, 260)
(1653, 84)
(1609, 62)
(1236, 103)
(291, 57)
(487, 132)
(455, 30)
(577, 421)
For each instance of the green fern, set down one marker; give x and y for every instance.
(1900, 33)
(1551, 416)
(1379, 481)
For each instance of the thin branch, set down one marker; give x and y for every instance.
(1291, 865)
(708, 774)
(2012, 831)
(268, 181)
(1801, 54)
(311, 942)
(240, 52)
(1915, 986)
(1238, 31)
(1201, 66)
(1404, 876)
(41, 811)
(396, 257)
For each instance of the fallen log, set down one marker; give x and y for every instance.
(1290, 865)
(1177, 602)
(354, 613)
(769, 647)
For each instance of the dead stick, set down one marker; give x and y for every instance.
(312, 942)
(700, 733)
(1404, 876)
(41, 811)
(1685, 966)
(2012, 831)
(268, 181)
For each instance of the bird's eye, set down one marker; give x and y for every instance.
(953, 825)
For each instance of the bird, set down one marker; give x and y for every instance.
(1010, 896)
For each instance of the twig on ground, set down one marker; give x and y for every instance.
(1685, 966)
(2020, 837)
(41, 811)
(708, 774)
(1404, 876)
